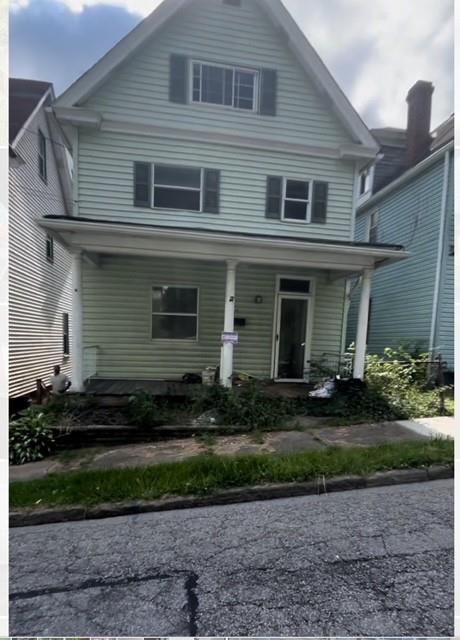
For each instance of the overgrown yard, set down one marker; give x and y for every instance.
(210, 473)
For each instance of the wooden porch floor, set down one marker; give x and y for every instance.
(123, 387)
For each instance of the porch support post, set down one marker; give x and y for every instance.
(361, 333)
(226, 354)
(77, 324)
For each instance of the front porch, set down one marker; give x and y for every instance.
(151, 304)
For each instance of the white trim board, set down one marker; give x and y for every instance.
(88, 118)
(312, 64)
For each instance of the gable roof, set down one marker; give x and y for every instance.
(25, 96)
(312, 64)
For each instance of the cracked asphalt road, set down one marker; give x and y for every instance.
(373, 562)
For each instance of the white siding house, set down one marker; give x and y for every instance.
(39, 265)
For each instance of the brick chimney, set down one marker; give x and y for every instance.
(418, 122)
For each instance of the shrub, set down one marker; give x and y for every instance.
(246, 406)
(144, 411)
(30, 438)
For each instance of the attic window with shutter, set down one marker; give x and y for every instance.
(228, 86)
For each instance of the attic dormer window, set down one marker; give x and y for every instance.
(228, 86)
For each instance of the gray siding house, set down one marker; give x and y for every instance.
(412, 203)
(215, 182)
(39, 265)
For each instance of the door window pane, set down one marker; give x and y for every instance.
(289, 285)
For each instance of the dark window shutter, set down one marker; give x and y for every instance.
(273, 203)
(142, 184)
(268, 86)
(211, 191)
(178, 78)
(319, 206)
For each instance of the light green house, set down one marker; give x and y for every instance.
(215, 172)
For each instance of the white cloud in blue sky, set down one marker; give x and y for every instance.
(375, 50)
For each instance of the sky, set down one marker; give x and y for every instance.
(376, 50)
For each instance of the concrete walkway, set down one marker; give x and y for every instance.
(441, 427)
(145, 454)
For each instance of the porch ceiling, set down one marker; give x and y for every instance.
(96, 237)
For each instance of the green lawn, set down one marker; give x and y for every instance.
(209, 473)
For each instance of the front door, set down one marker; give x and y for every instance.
(291, 337)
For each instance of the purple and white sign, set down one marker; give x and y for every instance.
(230, 337)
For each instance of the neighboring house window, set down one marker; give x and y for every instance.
(229, 86)
(174, 312)
(65, 334)
(296, 200)
(49, 248)
(369, 321)
(366, 178)
(175, 187)
(42, 155)
(373, 226)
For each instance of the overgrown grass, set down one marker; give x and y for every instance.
(207, 474)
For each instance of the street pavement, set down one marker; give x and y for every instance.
(371, 562)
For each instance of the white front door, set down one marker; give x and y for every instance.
(291, 337)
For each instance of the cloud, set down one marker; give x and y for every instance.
(50, 41)
(375, 50)
(394, 43)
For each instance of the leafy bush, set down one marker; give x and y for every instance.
(144, 411)
(246, 406)
(30, 438)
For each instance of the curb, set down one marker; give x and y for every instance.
(233, 496)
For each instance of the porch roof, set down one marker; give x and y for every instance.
(107, 237)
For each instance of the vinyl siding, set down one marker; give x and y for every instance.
(117, 316)
(39, 292)
(211, 31)
(445, 328)
(402, 294)
(105, 184)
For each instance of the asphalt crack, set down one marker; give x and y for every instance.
(192, 602)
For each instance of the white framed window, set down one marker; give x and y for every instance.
(174, 312)
(42, 156)
(373, 226)
(296, 205)
(177, 187)
(49, 248)
(365, 184)
(229, 86)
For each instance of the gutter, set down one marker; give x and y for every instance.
(441, 242)
(75, 225)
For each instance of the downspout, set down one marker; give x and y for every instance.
(439, 262)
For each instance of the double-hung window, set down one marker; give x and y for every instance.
(49, 248)
(228, 86)
(296, 200)
(174, 187)
(177, 188)
(174, 313)
(41, 155)
(373, 226)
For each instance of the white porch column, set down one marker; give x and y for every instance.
(226, 353)
(77, 324)
(361, 333)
